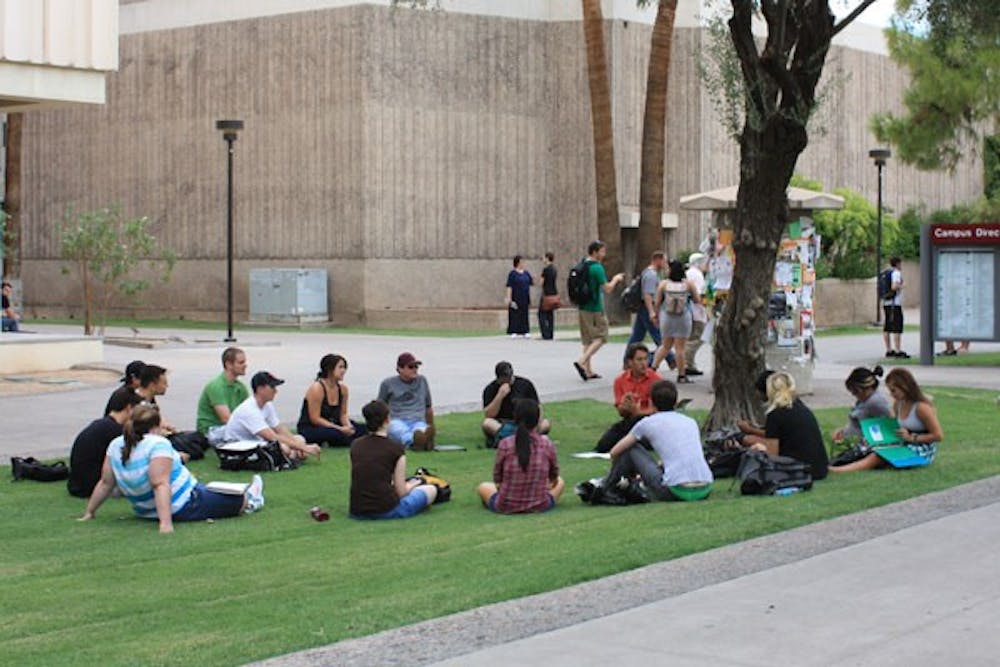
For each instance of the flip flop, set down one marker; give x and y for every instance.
(594, 376)
(581, 371)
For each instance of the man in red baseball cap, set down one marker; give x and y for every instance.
(409, 399)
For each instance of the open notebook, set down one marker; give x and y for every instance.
(228, 488)
(880, 433)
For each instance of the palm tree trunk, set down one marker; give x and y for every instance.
(654, 133)
(12, 196)
(608, 228)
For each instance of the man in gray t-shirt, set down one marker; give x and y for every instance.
(646, 317)
(409, 399)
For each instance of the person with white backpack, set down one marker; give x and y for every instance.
(674, 298)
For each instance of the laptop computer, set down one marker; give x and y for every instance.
(880, 433)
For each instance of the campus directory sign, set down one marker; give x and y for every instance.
(960, 280)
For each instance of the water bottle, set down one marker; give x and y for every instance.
(788, 491)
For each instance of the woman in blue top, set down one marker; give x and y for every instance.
(149, 472)
(518, 299)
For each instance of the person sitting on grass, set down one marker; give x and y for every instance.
(379, 488)
(324, 408)
(149, 472)
(526, 471)
(869, 403)
(86, 457)
(257, 419)
(682, 472)
(499, 397)
(790, 428)
(408, 396)
(221, 395)
(919, 427)
(632, 400)
(130, 381)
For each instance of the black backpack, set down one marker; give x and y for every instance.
(265, 457)
(578, 283)
(763, 475)
(632, 296)
(885, 290)
(30, 468)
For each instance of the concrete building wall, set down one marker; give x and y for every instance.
(409, 153)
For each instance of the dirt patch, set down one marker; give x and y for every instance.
(50, 382)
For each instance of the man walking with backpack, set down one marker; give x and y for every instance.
(890, 287)
(593, 284)
(646, 321)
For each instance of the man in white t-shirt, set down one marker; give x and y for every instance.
(257, 419)
(892, 307)
(682, 473)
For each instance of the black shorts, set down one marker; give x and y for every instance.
(893, 319)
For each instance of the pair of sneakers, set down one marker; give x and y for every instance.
(254, 495)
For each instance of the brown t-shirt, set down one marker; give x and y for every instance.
(373, 460)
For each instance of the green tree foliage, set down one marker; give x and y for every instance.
(106, 248)
(848, 235)
(952, 51)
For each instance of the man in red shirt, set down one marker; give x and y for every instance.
(632, 400)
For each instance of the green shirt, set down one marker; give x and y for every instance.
(597, 279)
(219, 391)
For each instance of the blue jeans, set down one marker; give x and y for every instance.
(205, 504)
(642, 326)
(402, 430)
(412, 504)
(9, 324)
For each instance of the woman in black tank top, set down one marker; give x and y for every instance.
(323, 418)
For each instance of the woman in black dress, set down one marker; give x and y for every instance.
(518, 299)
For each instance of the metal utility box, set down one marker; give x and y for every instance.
(288, 296)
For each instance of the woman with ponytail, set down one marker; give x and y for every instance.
(150, 473)
(869, 402)
(526, 472)
(324, 409)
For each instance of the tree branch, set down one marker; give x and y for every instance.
(850, 17)
(740, 28)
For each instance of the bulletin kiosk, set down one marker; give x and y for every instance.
(791, 309)
(959, 282)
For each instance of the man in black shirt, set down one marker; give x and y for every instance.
(10, 317)
(498, 403)
(90, 446)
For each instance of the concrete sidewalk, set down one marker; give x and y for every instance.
(912, 583)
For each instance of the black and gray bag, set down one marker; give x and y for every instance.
(762, 475)
(253, 455)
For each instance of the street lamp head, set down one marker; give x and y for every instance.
(229, 128)
(880, 155)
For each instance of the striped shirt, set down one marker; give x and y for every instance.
(133, 477)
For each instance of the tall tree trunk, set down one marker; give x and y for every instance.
(12, 196)
(608, 228)
(767, 161)
(654, 134)
(88, 328)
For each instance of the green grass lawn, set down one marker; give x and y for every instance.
(115, 592)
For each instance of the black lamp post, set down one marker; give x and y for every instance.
(880, 155)
(229, 129)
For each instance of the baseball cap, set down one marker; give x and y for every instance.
(133, 370)
(407, 359)
(264, 378)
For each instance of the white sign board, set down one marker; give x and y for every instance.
(964, 295)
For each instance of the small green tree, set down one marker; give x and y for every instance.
(105, 248)
(848, 235)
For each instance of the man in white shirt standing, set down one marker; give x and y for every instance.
(257, 419)
(697, 263)
(892, 307)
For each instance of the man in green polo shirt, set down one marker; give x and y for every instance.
(593, 322)
(222, 394)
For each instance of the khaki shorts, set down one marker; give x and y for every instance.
(593, 326)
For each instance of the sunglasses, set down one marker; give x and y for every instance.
(412, 367)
